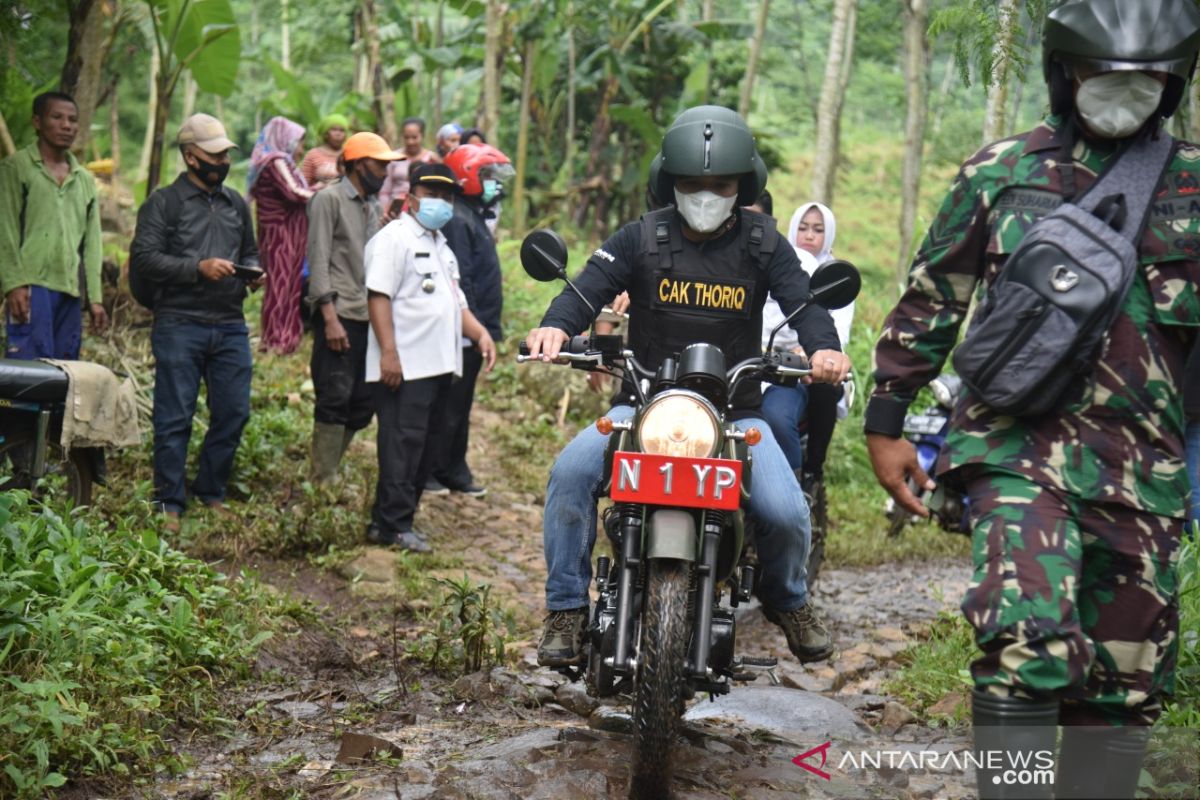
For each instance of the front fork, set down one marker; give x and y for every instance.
(705, 592)
(631, 550)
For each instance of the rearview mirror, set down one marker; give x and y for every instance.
(544, 256)
(835, 284)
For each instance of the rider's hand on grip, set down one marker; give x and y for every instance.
(546, 343)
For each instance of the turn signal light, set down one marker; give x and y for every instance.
(604, 425)
(753, 436)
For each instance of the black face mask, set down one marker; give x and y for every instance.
(371, 183)
(211, 175)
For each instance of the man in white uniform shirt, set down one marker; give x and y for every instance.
(418, 316)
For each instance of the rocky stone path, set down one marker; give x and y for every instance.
(523, 732)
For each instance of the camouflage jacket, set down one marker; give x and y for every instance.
(1118, 435)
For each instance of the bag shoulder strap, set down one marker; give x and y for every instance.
(758, 237)
(1123, 192)
(658, 238)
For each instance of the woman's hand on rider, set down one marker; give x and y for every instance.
(546, 343)
(895, 461)
(829, 366)
(621, 304)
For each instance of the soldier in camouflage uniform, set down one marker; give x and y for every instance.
(1077, 514)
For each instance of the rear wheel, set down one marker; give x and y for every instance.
(16, 453)
(659, 693)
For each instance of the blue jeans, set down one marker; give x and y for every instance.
(784, 408)
(185, 353)
(1192, 438)
(782, 528)
(54, 328)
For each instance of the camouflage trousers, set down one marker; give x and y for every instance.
(1072, 599)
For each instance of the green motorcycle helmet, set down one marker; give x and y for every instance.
(1112, 35)
(708, 140)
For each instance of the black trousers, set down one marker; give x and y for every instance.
(340, 379)
(405, 457)
(453, 425)
(822, 418)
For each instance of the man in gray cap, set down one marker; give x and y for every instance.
(193, 245)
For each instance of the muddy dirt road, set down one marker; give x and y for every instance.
(521, 732)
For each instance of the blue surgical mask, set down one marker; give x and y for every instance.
(434, 213)
(491, 190)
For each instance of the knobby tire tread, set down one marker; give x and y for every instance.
(658, 703)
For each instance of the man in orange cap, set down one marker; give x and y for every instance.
(341, 220)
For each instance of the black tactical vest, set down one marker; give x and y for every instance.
(685, 292)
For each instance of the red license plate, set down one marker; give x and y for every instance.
(676, 480)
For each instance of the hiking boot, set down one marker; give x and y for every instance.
(806, 635)
(562, 638)
(434, 486)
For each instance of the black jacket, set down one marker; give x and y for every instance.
(179, 226)
(478, 265)
(622, 264)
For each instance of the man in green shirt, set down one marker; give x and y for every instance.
(49, 238)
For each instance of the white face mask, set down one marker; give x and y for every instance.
(1116, 104)
(704, 211)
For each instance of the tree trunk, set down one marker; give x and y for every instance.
(1008, 14)
(285, 35)
(438, 38)
(7, 147)
(571, 56)
(943, 93)
(760, 31)
(86, 45)
(189, 105)
(832, 95)
(384, 103)
(916, 79)
(162, 112)
(362, 64)
(114, 130)
(1194, 97)
(707, 15)
(494, 22)
(600, 130)
(151, 113)
(523, 137)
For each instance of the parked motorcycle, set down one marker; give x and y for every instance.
(32, 400)
(678, 474)
(928, 432)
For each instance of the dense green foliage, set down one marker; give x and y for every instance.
(107, 636)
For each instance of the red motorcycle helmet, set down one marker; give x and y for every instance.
(472, 163)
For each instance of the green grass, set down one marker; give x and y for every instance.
(107, 636)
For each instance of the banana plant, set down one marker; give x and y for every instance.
(196, 36)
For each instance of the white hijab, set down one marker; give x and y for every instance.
(842, 317)
(826, 253)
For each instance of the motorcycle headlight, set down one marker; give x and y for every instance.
(678, 424)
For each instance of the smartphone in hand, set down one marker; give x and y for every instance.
(247, 274)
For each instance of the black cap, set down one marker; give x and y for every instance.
(433, 175)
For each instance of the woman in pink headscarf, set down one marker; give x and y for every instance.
(280, 194)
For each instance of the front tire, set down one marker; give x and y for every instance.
(76, 468)
(659, 692)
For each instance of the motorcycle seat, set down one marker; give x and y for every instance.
(32, 381)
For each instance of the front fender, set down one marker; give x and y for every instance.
(671, 534)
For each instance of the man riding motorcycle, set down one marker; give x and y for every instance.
(698, 271)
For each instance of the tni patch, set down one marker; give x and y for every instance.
(726, 297)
